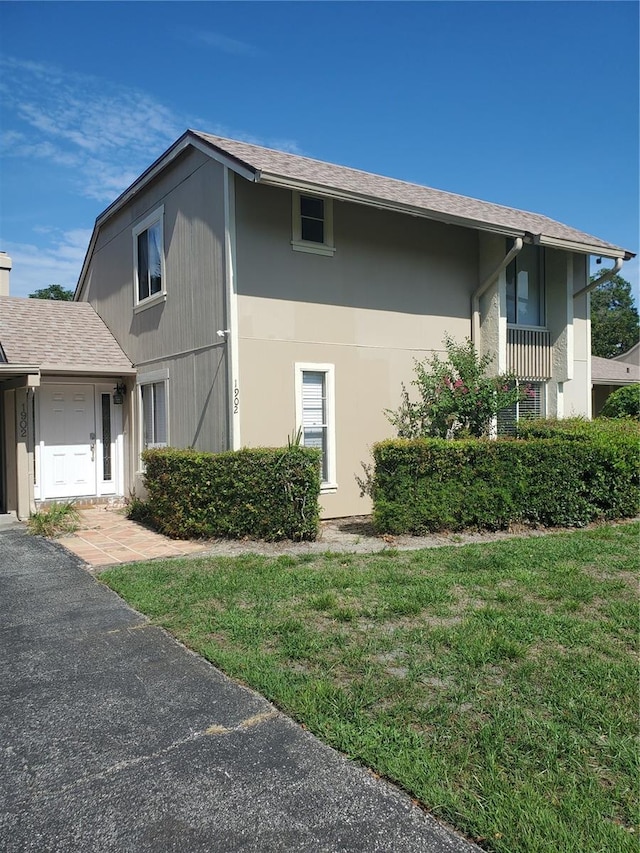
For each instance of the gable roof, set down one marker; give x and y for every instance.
(278, 168)
(631, 356)
(611, 371)
(58, 336)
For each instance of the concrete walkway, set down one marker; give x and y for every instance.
(116, 738)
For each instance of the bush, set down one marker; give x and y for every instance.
(261, 493)
(54, 520)
(623, 403)
(561, 479)
(457, 397)
(579, 428)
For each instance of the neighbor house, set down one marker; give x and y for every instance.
(255, 293)
(609, 374)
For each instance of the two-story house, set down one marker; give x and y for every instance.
(257, 292)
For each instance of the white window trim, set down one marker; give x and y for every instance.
(331, 484)
(151, 378)
(142, 304)
(297, 243)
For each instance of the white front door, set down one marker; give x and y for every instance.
(68, 441)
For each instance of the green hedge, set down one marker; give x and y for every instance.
(565, 480)
(261, 493)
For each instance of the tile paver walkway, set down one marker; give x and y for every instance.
(106, 536)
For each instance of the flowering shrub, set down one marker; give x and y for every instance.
(457, 398)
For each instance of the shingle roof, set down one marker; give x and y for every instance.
(435, 202)
(55, 334)
(609, 371)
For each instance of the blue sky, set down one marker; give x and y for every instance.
(528, 104)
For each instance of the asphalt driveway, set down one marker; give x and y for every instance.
(116, 738)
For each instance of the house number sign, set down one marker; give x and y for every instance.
(23, 422)
(236, 399)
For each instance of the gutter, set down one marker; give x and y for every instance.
(604, 277)
(486, 284)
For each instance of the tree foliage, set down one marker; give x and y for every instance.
(457, 397)
(615, 325)
(623, 403)
(54, 291)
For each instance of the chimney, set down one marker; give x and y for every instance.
(5, 272)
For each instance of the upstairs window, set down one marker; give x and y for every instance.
(525, 288)
(148, 251)
(312, 218)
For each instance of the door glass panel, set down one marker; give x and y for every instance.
(106, 436)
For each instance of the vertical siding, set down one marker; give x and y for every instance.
(180, 333)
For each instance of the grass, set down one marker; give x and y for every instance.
(496, 683)
(54, 520)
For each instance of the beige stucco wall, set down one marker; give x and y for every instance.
(393, 289)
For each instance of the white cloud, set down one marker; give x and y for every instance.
(87, 124)
(99, 136)
(92, 126)
(56, 261)
(223, 43)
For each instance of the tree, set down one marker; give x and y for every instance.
(54, 291)
(615, 325)
(457, 398)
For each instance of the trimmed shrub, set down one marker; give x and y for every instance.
(262, 493)
(562, 479)
(623, 403)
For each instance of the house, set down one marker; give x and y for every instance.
(61, 427)
(609, 374)
(255, 292)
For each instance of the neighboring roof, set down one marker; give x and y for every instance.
(268, 166)
(610, 371)
(631, 356)
(57, 335)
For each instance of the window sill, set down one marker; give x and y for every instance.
(526, 328)
(328, 488)
(156, 299)
(313, 248)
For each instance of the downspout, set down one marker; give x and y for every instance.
(475, 297)
(607, 274)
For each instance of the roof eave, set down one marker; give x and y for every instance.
(53, 369)
(447, 218)
(603, 251)
(385, 204)
(189, 138)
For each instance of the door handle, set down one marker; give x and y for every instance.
(92, 439)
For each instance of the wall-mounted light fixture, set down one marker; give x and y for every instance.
(118, 393)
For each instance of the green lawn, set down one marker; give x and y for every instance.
(497, 683)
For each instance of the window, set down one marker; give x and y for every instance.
(315, 415)
(531, 407)
(312, 218)
(525, 287)
(105, 402)
(148, 251)
(154, 414)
